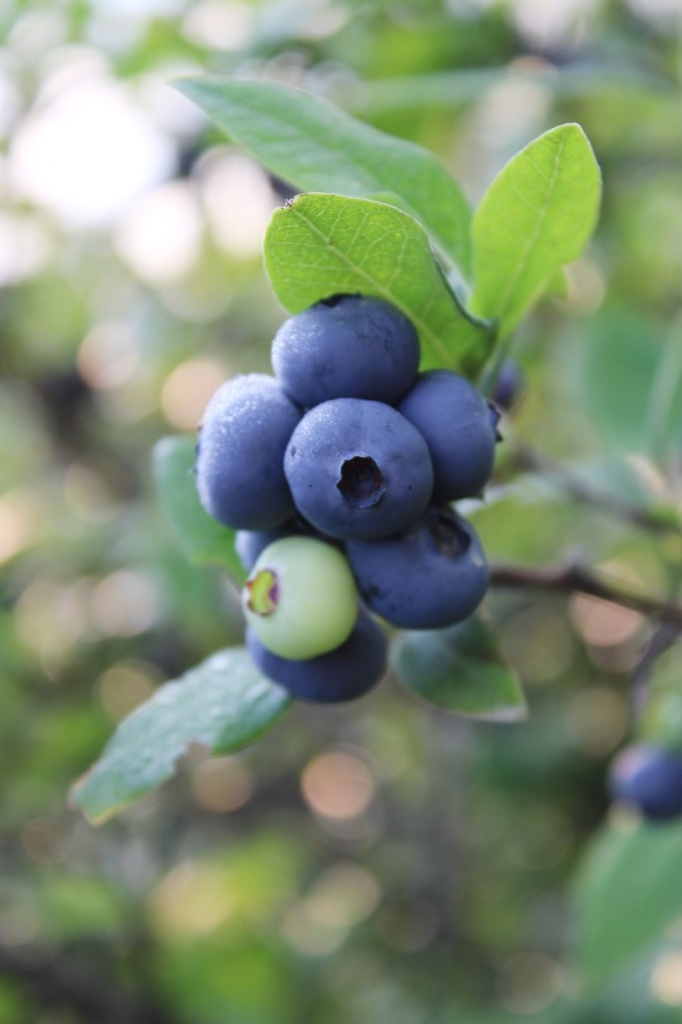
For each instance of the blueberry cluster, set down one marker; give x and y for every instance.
(338, 474)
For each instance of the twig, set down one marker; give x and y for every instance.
(575, 578)
(526, 459)
(663, 638)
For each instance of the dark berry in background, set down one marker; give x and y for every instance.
(348, 346)
(508, 386)
(358, 469)
(343, 674)
(648, 778)
(432, 574)
(460, 428)
(239, 467)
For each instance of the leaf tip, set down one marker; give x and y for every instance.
(574, 131)
(77, 800)
(72, 799)
(509, 714)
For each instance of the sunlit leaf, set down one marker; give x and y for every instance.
(321, 245)
(537, 215)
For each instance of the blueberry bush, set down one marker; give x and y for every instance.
(340, 546)
(349, 439)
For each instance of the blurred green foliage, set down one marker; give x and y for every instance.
(384, 860)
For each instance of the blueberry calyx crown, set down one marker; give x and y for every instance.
(361, 482)
(450, 539)
(263, 591)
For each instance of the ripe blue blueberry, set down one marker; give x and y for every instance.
(239, 472)
(347, 346)
(358, 469)
(460, 428)
(300, 598)
(433, 574)
(343, 674)
(650, 779)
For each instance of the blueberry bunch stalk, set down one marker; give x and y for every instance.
(339, 474)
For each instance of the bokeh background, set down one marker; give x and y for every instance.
(382, 861)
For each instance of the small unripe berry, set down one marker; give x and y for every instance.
(300, 599)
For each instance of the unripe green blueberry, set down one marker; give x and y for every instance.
(300, 598)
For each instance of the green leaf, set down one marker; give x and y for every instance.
(224, 703)
(460, 669)
(318, 148)
(557, 286)
(537, 215)
(628, 892)
(320, 245)
(203, 540)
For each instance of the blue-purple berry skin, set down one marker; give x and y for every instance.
(347, 346)
(460, 428)
(343, 674)
(358, 469)
(648, 778)
(508, 386)
(432, 574)
(248, 544)
(239, 467)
